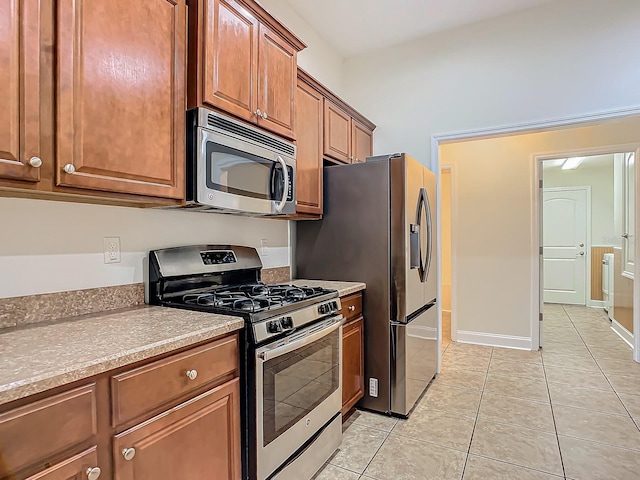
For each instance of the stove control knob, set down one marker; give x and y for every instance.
(322, 309)
(335, 306)
(274, 326)
(287, 322)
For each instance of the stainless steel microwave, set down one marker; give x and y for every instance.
(237, 168)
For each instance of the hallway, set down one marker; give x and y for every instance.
(569, 411)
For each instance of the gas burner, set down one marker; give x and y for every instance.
(254, 289)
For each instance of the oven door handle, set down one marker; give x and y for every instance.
(265, 354)
(285, 190)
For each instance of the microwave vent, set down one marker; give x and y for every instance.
(251, 134)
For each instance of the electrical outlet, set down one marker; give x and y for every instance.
(264, 243)
(111, 249)
(373, 387)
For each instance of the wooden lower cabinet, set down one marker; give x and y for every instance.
(197, 440)
(80, 467)
(352, 363)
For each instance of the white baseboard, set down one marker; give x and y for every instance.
(494, 340)
(596, 303)
(622, 332)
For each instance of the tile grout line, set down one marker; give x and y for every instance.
(601, 371)
(475, 423)
(553, 417)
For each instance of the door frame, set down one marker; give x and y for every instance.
(530, 127)
(587, 243)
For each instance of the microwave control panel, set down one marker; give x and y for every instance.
(218, 257)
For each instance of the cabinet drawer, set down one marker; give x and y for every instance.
(32, 434)
(351, 306)
(146, 388)
(74, 468)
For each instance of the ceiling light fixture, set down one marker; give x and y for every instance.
(572, 163)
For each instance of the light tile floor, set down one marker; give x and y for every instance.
(570, 411)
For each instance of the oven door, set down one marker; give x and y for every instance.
(298, 390)
(241, 176)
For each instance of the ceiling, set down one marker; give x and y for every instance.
(593, 161)
(354, 27)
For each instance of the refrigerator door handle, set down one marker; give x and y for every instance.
(427, 207)
(423, 263)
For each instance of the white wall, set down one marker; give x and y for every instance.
(561, 59)
(492, 224)
(319, 59)
(48, 246)
(600, 179)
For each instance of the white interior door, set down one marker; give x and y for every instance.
(628, 244)
(564, 234)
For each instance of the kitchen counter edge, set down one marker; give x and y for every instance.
(118, 338)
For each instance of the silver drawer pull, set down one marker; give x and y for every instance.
(192, 374)
(129, 453)
(352, 308)
(93, 473)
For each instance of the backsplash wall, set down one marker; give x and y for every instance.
(49, 246)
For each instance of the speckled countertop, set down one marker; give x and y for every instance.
(38, 358)
(344, 288)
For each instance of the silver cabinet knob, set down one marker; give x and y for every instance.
(352, 308)
(264, 115)
(192, 374)
(129, 453)
(35, 162)
(258, 113)
(93, 473)
(69, 168)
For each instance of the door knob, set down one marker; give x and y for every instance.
(35, 162)
(581, 253)
(625, 235)
(581, 245)
(129, 453)
(93, 473)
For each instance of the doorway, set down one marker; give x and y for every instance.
(446, 212)
(587, 211)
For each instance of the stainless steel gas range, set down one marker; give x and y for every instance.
(291, 367)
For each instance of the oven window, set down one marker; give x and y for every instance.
(240, 173)
(297, 382)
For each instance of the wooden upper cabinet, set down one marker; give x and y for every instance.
(230, 57)
(242, 61)
(120, 96)
(337, 132)
(361, 140)
(199, 439)
(19, 89)
(276, 83)
(308, 125)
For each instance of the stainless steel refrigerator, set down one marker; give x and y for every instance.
(379, 228)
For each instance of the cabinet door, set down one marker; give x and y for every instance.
(362, 142)
(276, 83)
(230, 56)
(309, 156)
(19, 89)
(121, 96)
(337, 132)
(352, 363)
(75, 468)
(197, 440)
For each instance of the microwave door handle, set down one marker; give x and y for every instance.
(285, 190)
